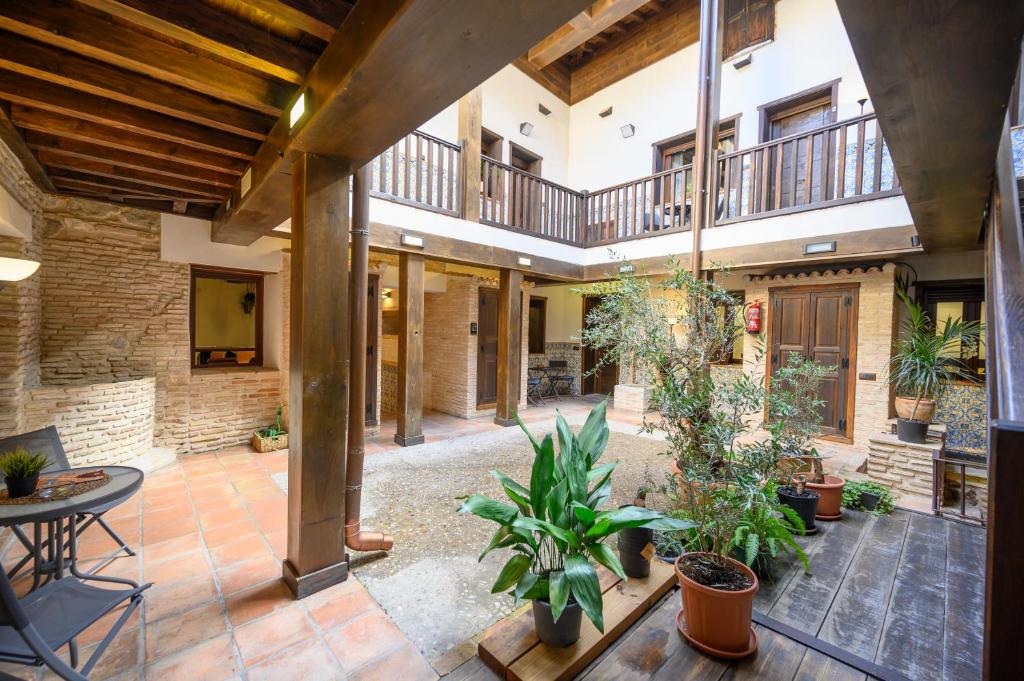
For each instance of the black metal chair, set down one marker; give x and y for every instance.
(534, 390)
(33, 628)
(47, 441)
(559, 376)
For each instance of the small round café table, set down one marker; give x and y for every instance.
(57, 552)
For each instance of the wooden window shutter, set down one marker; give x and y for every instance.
(734, 34)
(747, 22)
(760, 21)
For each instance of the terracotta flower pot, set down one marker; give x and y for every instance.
(905, 409)
(718, 621)
(830, 497)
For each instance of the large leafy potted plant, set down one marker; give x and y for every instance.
(766, 530)
(556, 530)
(924, 362)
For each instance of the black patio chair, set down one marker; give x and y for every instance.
(33, 628)
(534, 391)
(47, 441)
(558, 374)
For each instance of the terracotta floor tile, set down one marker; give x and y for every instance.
(307, 661)
(121, 659)
(101, 627)
(212, 660)
(364, 639)
(184, 630)
(405, 663)
(246, 548)
(183, 566)
(172, 548)
(240, 576)
(224, 516)
(168, 516)
(223, 534)
(257, 601)
(260, 639)
(206, 504)
(339, 604)
(278, 543)
(155, 535)
(166, 599)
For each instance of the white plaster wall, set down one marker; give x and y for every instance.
(966, 265)
(810, 48)
(445, 124)
(14, 219)
(564, 315)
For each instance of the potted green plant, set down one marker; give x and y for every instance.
(636, 544)
(556, 530)
(765, 531)
(924, 362)
(21, 470)
(273, 437)
(866, 495)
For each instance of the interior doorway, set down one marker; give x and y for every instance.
(487, 349)
(372, 349)
(603, 380)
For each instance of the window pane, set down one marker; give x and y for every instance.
(945, 311)
(224, 330)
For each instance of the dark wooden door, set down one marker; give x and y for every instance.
(487, 348)
(794, 154)
(372, 351)
(818, 323)
(602, 381)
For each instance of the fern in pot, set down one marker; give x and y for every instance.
(925, 361)
(556, 530)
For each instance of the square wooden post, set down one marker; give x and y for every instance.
(318, 408)
(510, 345)
(410, 350)
(469, 135)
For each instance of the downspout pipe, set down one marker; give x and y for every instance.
(356, 538)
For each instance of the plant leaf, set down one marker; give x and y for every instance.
(603, 554)
(593, 437)
(610, 522)
(516, 566)
(542, 476)
(558, 593)
(545, 527)
(526, 584)
(500, 535)
(514, 491)
(489, 509)
(584, 514)
(586, 588)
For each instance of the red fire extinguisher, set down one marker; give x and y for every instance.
(754, 317)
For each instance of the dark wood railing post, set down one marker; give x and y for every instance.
(470, 106)
(582, 219)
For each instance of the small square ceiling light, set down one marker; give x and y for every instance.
(298, 108)
(628, 130)
(526, 128)
(821, 247)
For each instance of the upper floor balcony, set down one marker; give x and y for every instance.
(836, 164)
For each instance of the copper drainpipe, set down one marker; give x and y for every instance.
(355, 538)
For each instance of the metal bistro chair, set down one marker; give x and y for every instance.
(534, 391)
(47, 441)
(33, 628)
(559, 376)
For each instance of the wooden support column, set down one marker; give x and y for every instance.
(318, 374)
(510, 345)
(705, 158)
(410, 350)
(470, 107)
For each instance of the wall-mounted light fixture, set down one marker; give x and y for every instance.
(605, 113)
(915, 241)
(298, 108)
(16, 269)
(411, 240)
(862, 101)
(524, 261)
(820, 247)
(628, 130)
(526, 128)
(544, 111)
(741, 63)
(626, 268)
(246, 182)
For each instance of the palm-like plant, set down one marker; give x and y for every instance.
(555, 528)
(925, 360)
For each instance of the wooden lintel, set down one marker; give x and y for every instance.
(510, 347)
(580, 29)
(410, 350)
(318, 372)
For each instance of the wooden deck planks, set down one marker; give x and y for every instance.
(963, 636)
(787, 569)
(912, 636)
(820, 667)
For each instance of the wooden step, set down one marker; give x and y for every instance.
(511, 647)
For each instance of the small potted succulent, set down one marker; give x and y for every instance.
(21, 470)
(556, 530)
(272, 437)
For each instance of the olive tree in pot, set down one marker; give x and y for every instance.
(925, 360)
(556, 530)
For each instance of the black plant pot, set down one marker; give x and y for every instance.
(632, 542)
(21, 487)
(562, 633)
(806, 505)
(869, 500)
(910, 430)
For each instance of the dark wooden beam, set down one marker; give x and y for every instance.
(580, 29)
(42, 95)
(93, 183)
(192, 210)
(410, 350)
(318, 372)
(470, 111)
(216, 32)
(53, 159)
(66, 26)
(126, 159)
(61, 67)
(555, 78)
(378, 79)
(510, 345)
(11, 136)
(320, 18)
(939, 73)
(40, 120)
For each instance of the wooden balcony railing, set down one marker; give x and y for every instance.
(646, 206)
(422, 171)
(517, 200)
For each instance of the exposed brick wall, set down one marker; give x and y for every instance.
(227, 405)
(99, 423)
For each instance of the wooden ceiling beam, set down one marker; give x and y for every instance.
(11, 136)
(31, 58)
(161, 206)
(377, 80)
(600, 16)
(126, 159)
(48, 96)
(55, 159)
(320, 18)
(66, 26)
(114, 188)
(556, 78)
(39, 120)
(216, 32)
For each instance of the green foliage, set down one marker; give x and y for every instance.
(276, 429)
(766, 531)
(925, 360)
(22, 463)
(555, 527)
(852, 492)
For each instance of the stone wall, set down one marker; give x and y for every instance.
(227, 405)
(99, 423)
(563, 352)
